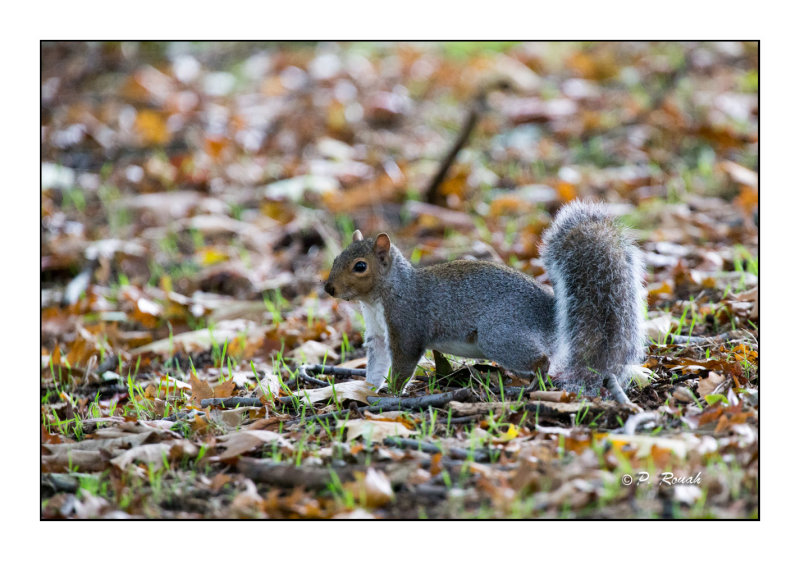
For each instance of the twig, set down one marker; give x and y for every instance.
(337, 371)
(231, 402)
(459, 420)
(435, 400)
(682, 378)
(310, 379)
(686, 339)
(477, 108)
(430, 448)
(287, 475)
(384, 404)
(433, 491)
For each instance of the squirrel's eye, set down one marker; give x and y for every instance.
(360, 266)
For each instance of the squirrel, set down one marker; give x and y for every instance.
(589, 325)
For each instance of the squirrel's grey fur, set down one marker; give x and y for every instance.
(597, 273)
(589, 325)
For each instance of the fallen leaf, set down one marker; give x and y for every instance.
(357, 390)
(314, 352)
(219, 481)
(354, 363)
(225, 389)
(152, 127)
(657, 328)
(63, 459)
(707, 385)
(644, 444)
(200, 389)
(372, 489)
(154, 453)
(227, 330)
(374, 431)
(241, 442)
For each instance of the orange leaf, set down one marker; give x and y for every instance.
(200, 389)
(152, 127)
(225, 389)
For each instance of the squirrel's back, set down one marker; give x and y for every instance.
(596, 272)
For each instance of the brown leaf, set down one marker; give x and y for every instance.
(200, 389)
(225, 389)
(241, 442)
(63, 459)
(154, 453)
(707, 385)
(219, 480)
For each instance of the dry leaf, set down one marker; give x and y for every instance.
(200, 389)
(314, 352)
(225, 389)
(154, 453)
(644, 444)
(707, 385)
(63, 459)
(354, 363)
(375, 431)
(227, 330)
(241, 442)
(357, 390)
(269, 386)
(657, 328)
(372, 489)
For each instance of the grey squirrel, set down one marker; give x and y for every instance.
(589, 325)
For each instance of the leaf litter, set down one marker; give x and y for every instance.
(193, 200)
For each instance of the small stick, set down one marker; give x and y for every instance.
(682, 378)
(337, 371)
(430, 448)
(476, 109)
(459, 420)
(231, 402)
(285, 475)
(434, 400)
(310, 379)
(384, 404)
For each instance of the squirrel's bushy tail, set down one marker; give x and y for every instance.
(596, 271)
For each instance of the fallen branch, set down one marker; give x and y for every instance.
(310, 379)
(287, 475)
(336, 371)
(231, 402)
(434, 400)
(458, 420)
(694, 339)
(678, 379)
(430, 448)
(383, 404)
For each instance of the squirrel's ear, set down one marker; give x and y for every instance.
(382, 246)
(358, 236)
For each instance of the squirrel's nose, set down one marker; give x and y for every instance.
(329, 288)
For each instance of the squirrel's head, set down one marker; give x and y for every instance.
(356, 271)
